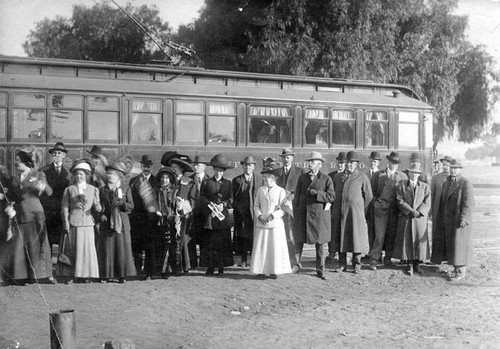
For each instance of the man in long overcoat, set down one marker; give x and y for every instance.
(58, 177)
(385, 209)
(311, 210)
(332, 248)
(452, 241)
(287, 179)
(374, 159)
(437, 183)
(353, 194)
(244, 190)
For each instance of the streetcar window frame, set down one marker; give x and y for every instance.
(33, 136)
(288, 118)
(323, 120)
(51, 108)
(3, 115)
(221, 114)
(139, 113)
(193, 114)
(335, 121)
(402, 123)
(99, 113)
(367, 122)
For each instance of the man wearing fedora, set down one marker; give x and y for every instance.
(244, 189)
(340, 168)
(374, 160)
(353, 194)
(452, 240)
(314, 195)
(415, 158)
(288, 176)
(140, 223)
(58, 177)
(385, 209)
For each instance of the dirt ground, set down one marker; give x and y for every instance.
(382, 309)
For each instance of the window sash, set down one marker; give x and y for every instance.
(145, 128)
(269, 130)
(28, 124)
(316, 132)
(66, 125)
(339, 133)
(102, 103)
(272, 111)
(146, 105)
(193, 132)
(189, 107)
(408, 135)
(381, 137)
(29, 100)
(221, 130)
(66, 101)
(3, 123)
(98, 126)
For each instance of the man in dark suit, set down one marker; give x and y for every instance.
(385, 209)
(58, 177)
(288, 177)
(244, 189)
(341, 158)
(141, 224)
(374, 159)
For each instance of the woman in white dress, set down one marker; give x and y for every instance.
(77, 204)
(270, 249)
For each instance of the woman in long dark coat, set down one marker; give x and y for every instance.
(215, 199)
(115, 247)
(6, 228)
(30, 245)
(353, 194)
(412, 238)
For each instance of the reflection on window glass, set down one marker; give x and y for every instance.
(103, 126)
(375, 134)
(190, 107)
(145, 128)
(28, 124)
(146, 105)
(343, 133)
(66, 125)
(28, 100)
(222, 108)
(270, 130)
(342, 115)
(65, 101)
(316, 132)
(103, 103)
(3, 99)
(189, 129)
(221, 130)
(3, 119)
(408, 135)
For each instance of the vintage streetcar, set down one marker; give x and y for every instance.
(149, 109)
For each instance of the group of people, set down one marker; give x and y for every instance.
(110, 226)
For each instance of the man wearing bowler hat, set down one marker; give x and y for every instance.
(140, 223)
(58, 177)
(374, 159)
(452, 240)
(313, 198)
(244, 189)
(385, 209)
(288, 176)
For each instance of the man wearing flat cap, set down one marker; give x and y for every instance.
(244, 189)
(452, 240)
(58, 178)
(288, 176)
(385, 209)
(314, 195)
(140, 223)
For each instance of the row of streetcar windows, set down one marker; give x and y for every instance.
(36, 117)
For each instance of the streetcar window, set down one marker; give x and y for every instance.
(67, 101)
(3, 99)
(3, 120)
(103, 103)
(343, 127)
(190, 129)
(316, 126)
(66, 125)
(146, 105)
(102, 126)
(28, 124)
(190, 107)
(221, 123)
(145, 128)
(408, 127)
(28, 100)
(270, 124)
(376, 129)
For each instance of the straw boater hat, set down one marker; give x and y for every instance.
(96, 151)
(375, 155)
(341, 157)
(58, 147)
(446, 158)
(166, 170)
(315, 155)
(415, 168)
(393, 157)
(81, 164)
(270, 168)
(117, 166)
(248, 160)
(219, 160)
(352, 156)
(286, 152)
(146, 160)
(183, 161)
(455, 164)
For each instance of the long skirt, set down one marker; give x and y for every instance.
(78, 253)
(216, 250)
(27, 254)
(270, 252)
(115, 254)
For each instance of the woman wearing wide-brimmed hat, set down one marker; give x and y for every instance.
(31, 251)
(215, 199)
(115, 247)
(270, 248)
(78, 202)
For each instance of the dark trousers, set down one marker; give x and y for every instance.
(289, 239)
(243, 234)
(356, 259)
(386, 221)
(320, 255)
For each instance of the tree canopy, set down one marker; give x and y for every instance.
(99, 33)
(417, 43)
